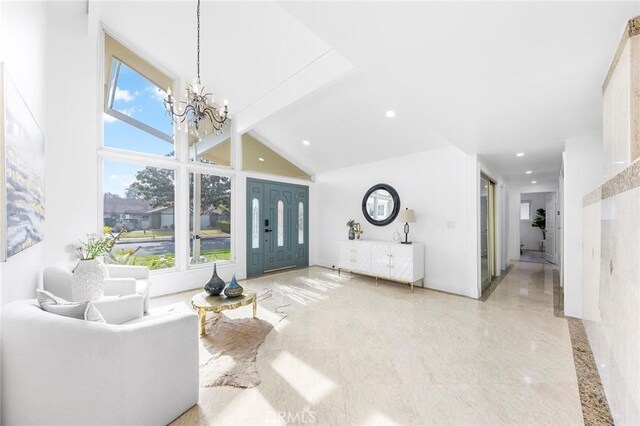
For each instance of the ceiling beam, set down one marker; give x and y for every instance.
(323, 70)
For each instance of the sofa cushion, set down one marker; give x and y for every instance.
(59, 306)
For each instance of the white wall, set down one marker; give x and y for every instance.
(441, 185)
(513, 223)
(23, 28)
(72, 60)
(582, 162)
(530, 236)
(23, 34)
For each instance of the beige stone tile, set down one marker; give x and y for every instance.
(351, 352)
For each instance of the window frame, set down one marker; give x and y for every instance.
(111, 88)
(180, 163)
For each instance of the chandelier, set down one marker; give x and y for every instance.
(201, 115)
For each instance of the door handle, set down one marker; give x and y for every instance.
(268, 230)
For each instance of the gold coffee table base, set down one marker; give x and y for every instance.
(204, 303)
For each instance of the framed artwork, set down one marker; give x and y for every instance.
(21, 172)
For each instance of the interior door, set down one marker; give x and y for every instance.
(277, 226)
(485, 275)
(550, 227)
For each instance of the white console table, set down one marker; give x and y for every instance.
(390, 261)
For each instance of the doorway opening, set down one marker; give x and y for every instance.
(487, 231)
(537, 227)
(277, 226)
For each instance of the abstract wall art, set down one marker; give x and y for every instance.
(21, 172)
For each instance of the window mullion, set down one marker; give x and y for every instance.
(182, 217)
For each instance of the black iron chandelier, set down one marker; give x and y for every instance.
(201, 115)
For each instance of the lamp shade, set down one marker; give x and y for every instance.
(407, 216)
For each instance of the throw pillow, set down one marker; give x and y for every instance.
(59, 306)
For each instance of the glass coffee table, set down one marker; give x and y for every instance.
(204, 303)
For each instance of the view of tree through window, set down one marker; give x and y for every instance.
(209, 218)
(140, 196)
(138, 205)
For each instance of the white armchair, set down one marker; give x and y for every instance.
(64, 371)
(122, 280)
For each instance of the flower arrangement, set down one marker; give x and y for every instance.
(95, 246)
(351, 224)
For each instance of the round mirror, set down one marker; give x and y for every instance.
(381, 204)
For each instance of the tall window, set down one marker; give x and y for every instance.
(139, 206)
(209, 217)
(141, 165)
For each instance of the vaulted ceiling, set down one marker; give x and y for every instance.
(492, 78)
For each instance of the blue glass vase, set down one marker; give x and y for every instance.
(233, 289)
(215, 285)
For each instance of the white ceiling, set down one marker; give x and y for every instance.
(494, 78)
(247, 48)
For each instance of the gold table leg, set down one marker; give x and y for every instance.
(202, 315)
(255, 307)
(411, 286)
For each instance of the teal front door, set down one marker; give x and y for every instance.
(277, 226)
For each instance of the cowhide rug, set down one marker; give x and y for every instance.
(233, 346)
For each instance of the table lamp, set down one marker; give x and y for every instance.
(407, 216)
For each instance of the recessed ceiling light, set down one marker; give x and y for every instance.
(260, 159)
(528, 172)
(390, 114)
(534, 181)
(520, 154)
(306, 142)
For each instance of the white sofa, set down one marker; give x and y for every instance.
(122, 280)
(63, 371)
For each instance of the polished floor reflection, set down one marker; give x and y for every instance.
(533, 256)
(345, 351)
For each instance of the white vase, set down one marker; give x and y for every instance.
(88, 281)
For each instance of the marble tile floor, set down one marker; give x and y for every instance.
(533, 256)
(345, 351)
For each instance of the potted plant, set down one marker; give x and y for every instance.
(352, 225)
(88, 277)
(540, 221)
